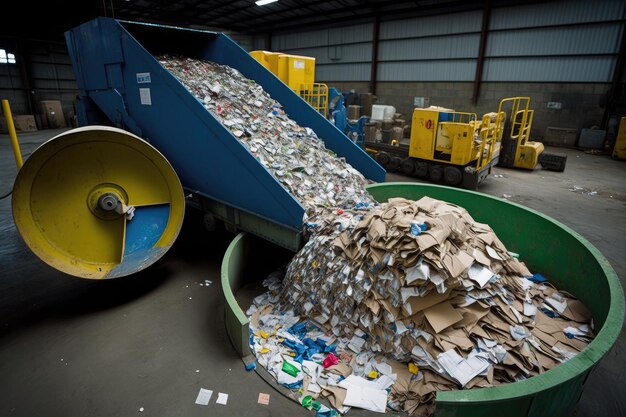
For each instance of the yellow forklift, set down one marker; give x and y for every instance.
(517, 150)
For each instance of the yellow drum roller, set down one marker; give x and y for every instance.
(98, 202)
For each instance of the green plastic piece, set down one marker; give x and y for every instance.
(306, 401)
(290, 369)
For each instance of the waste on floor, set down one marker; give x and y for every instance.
(388, 303)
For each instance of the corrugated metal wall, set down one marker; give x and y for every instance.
(569, 41)
(559, 41)
(341, 54)
(43, 71)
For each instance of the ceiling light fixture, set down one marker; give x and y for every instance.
(264, 2)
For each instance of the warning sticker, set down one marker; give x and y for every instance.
(143, 78)
(144, 96)
(298, 64)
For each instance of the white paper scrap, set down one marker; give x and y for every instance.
(408, 292)
(420, 271)
(480, 274)
(526, 283)
(529, 309)
(384, 368)
(222, 398)
(364, 394)
(385, 381)
(463, 370)
(356, 344)
(204, 396)
(492, 252)
(560, 306)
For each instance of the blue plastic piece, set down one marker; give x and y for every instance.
(326, 412)
(111, 61)
(298, 348)
(251, 366)
(537, 278)
(299, 329)
(549, 313)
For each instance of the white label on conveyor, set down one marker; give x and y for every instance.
(143, 78)
(144, 96)
(298, 64)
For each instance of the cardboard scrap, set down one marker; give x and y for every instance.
(441, 316)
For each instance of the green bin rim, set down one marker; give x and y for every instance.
(562, 373)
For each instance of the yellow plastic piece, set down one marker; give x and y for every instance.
(264, 350)
(6, 110)
(413, 368)
(56, 194)
(264, 334)
(619, 151)
(373, 375)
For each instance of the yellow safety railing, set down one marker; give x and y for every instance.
(490, 133)
(461, 117)
(316, 94)
(6, 109)
(521, 120)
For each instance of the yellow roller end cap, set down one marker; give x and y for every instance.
(98, 202)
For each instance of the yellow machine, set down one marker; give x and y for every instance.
(446, 146)
(457, 149)
(619, 151)
(517, 150)
(298, 72)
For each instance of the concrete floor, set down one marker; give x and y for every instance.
(70, 347)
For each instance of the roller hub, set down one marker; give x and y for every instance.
(98, 202)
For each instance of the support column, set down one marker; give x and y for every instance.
(484, 31)
(617, 74)
(375, 39)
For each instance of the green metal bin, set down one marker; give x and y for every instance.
(546, 246)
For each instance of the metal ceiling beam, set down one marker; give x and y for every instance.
(310, 3)
(452, 7)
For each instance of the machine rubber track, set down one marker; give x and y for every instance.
(396, 159)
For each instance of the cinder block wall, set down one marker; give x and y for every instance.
(582, 104)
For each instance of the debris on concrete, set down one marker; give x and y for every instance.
(204, 396)
(222, 398)
(264, 398)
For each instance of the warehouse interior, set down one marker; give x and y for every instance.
(145, 344)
